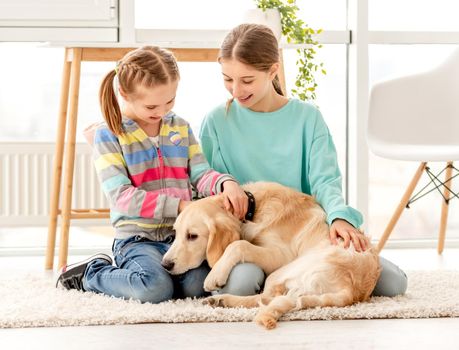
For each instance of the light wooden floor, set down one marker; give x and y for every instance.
(359, 334)
(350, 334)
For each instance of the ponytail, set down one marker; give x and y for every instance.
(277, 85)
(109, 104)
(147, 66)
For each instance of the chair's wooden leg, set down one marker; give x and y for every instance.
(70, 155)
(57, 167)
(444, 208)
(403, 202)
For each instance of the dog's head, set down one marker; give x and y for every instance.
(202, 231)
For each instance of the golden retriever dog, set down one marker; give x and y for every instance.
(288, 238)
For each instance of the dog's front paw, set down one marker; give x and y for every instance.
(214, 281)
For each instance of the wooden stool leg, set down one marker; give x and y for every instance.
(70, 155)
(444, 208)
(401, 206)
(57, 168)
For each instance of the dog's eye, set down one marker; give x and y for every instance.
(191, 236)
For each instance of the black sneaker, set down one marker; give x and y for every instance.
(71, 276)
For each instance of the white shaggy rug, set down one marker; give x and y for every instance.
(34, 302)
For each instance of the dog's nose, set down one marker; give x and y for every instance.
(167, 264)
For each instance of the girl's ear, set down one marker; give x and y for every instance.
(274, 70)
(223, 230)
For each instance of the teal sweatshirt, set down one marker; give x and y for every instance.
(291, 146)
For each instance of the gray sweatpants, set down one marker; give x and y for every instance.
(248, 279)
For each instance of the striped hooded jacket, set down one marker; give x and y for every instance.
(143, 183)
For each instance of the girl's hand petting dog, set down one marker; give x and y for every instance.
(236, 201)
(342, 229)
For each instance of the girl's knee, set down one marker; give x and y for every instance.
(193, 282)
(392, 281)
(402, 284)
(244, 279)
(153, 288)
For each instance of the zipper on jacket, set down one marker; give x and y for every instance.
(161, 169)
(161, 173)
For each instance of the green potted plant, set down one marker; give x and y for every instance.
(296, 31)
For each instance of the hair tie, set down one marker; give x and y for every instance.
(117, 67)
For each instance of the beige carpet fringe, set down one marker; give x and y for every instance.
(34, 302)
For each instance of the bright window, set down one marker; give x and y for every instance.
(413, 15)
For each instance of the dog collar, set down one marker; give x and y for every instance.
(251, 208)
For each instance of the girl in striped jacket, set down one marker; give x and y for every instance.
(148, 161)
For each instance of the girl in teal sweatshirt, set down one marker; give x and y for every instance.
(261, 135)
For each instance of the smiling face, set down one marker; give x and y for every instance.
(250, 87)
(202, 231)
(147, 106)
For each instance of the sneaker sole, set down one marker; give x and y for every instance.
(86, 261)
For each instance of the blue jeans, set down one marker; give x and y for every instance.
(138, 273)
(248, 279)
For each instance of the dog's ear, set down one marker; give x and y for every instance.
(223, 229)
(218, 199)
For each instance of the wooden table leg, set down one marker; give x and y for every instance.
(57, 167)
(70, 154)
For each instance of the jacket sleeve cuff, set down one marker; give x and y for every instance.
(218, 188)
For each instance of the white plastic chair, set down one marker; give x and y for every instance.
(416, 118)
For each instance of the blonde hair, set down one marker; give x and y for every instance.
(254, 45)
(147, 66)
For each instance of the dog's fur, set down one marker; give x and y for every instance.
(288, 238)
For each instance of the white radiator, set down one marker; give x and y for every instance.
(26, 174)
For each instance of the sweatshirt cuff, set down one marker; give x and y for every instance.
(218, 188)
(171, 207)
(351, 215)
